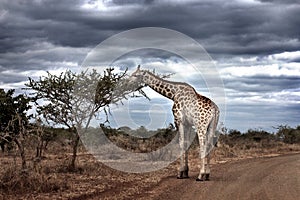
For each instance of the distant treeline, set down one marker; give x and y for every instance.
(133, 138)
(144, 140)
(283, 133)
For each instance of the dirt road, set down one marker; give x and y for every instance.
(259, 178)
(256, 178)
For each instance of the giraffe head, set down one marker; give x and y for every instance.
(137, 77)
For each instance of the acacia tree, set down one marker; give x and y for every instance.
(73, 100)
(13, 120)
(53, 99)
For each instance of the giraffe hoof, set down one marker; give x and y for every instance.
(183, 175)
(204, 177)
(207, 177)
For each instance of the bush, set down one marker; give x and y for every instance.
(14, 181)
(288, 135)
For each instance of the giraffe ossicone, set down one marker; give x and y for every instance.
(190, 109)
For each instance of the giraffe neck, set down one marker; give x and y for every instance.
(163, 87)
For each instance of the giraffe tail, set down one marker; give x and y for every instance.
(212, 134)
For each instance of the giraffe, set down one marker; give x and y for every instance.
(190, 109)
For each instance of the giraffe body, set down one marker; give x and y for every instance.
(190, 109)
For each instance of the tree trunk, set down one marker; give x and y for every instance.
(39, 149)
(22, 153)
(75, 147)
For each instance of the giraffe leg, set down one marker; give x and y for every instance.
(209, 145)
(207, 168)
(184, 169)
(204, 161)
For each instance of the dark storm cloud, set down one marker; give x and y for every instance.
(126, 2)
(262, 84)
(58, 22)
(222, 27)
(229, 27)
(281, 1)
(11, 77)
(148, 55)
(49, 34)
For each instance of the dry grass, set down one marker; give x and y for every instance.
(50, 177)
(20, 181)
(224, 153)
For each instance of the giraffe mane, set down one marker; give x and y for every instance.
(162, 79)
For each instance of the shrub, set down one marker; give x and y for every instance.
(14, 181)
(288, 135)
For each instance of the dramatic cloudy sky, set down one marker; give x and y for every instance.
(255, 45)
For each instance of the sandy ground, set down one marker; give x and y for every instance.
(273, 177)
(259, 178)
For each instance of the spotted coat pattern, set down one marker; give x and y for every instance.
(189, 109)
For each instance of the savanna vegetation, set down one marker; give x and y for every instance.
(42, 155)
